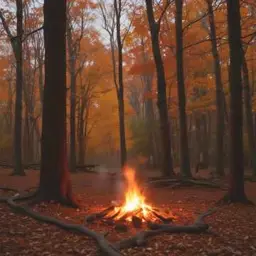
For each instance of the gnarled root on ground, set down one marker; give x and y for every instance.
(104, 245)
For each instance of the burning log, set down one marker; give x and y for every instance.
(99, 215)
(130, 214)
(163, 219)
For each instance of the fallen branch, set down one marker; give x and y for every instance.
(183, 182)
(104, 245)
(140, 238)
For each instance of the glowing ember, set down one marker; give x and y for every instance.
(134, 200)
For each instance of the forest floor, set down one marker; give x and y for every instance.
(232, 228)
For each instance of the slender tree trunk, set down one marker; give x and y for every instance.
(184, 152)
(10, 107)
(18, 169)
(149, 108)
(55, 181)
(205, 140)
(167, 164)
(123, 151)
(249, 115)
(220, 98)
(236, 187)
(198, 136)
(81, 134)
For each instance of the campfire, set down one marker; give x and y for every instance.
(134, 209)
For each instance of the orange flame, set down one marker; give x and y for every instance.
(134, 200)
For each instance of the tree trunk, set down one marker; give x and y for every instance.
(236, 187)
(220, 125)
(18, 169)
(205, 140)
(184, 151)
(167, 165)
(249, 114)
(81, 135)
(149, 108)
(120, 93)
(72, 72)
(55, 181)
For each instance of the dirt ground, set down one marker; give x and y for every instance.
(232, 228)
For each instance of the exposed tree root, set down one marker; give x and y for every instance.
(104, 245)
(140, 238)
(183, 182)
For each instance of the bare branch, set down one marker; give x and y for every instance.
(167, 4)
(31, 33)
(6, 27)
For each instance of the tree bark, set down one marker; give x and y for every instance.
(167, 164)
(120, 90)
(55, 181)
(184, 151)
(149, 107)
(18, 169)
(72, 72)
(236, 187)
(220, 125)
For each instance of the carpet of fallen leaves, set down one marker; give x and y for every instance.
(232, 228)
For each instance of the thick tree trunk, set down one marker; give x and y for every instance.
(123, 151)
(167, 164)
(55, 181)
(18, 169)
(72, 73)
(249, 115)
(220, 98)
(184, 152)
(72, 162)
(236, 187)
